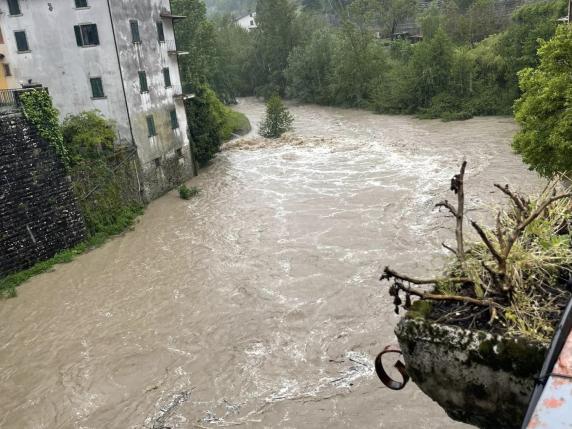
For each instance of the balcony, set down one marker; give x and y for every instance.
(171, 46)
(10, 98)
(179, 93)
(165, 14)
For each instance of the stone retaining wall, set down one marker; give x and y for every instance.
(39, 215)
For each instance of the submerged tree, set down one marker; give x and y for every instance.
(278, 119)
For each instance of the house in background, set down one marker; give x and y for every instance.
(248, 21)
(116, 56)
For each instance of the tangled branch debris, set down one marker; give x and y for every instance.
(516, 280)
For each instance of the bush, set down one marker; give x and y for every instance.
(104, 178)
(187, 193)
(235, 123)
(88, 135)
(278, 119)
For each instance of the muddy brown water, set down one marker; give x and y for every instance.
(258, 302)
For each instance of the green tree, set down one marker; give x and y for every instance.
(234, 73)
(431, 67)
(309, 68)
(275, 37)
(206, 116)
(196, 35)
(278, 119)
(544, 110)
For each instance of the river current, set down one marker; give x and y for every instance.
(256, 303)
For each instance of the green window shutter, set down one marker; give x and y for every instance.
(174, 119)
(160, 32)
(21, 41)
(143, 82)
(97, 87)
(151, 126)
(14, 7)
(167, 77)
(136, 38)
(78, 38)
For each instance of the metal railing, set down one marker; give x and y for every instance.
(10, 98)
(172, 49)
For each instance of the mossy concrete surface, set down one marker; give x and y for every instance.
(478, 378)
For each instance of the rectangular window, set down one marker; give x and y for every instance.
(167, 77)
(179, 153)
(136, 38)
(151, 126)
(7, 71)
(143, 82)
(96, 87)
(160, 32)
(157, 162)
(14, 7)
(21, 41)
(174, 119)
(86, 35)
(80, 3)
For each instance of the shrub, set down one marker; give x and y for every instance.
(278, 119)
(88, 135)
(187, 193)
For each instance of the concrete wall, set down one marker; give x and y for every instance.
(56, 61)
(38, 212)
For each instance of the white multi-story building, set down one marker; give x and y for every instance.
(248, 21)
(116, 56)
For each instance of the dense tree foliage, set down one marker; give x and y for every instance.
(326, 52)
(545, 108)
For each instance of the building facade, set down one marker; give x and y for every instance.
(116, 56)
(247, 22)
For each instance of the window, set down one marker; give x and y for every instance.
(179, 153)
(157, 162)
(86, 35)
(174, 119)
(160, 32)
(251, 23)
(21, 41)
(96, 87)
(14, 7)
(151, 126)
(167, 77)
(136, 38)
(7, 71)
(80, 3)
(143, 82)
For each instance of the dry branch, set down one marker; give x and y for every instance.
(389, 273)
(456, 298)
(516, 199)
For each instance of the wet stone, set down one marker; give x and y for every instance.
(39, 215)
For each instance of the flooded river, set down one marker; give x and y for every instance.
(258, 302)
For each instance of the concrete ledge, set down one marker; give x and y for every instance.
(478, 378)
